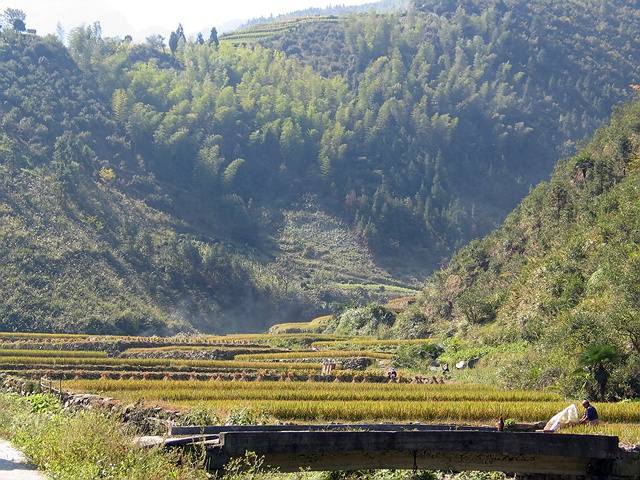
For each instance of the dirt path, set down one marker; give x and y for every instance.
(14, 465)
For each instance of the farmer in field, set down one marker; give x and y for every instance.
(590, 416)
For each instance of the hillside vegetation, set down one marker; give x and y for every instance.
(380, 6)
(562, 274)
(455, 92)
(92, 241)
(226, 187)
(552, 297)
(419, 107)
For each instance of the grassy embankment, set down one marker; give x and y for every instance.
(85, 445)
(89, 445)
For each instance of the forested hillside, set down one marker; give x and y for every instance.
(79, 254)
(419, 106)
(562, 275)
(101, 235)
(461, 107)
(552, 297)
(225, 185)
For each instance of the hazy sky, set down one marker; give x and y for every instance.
(143, 17)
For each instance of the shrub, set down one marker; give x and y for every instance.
(245, 416)
(411, 324)
(42, 403)
(476, 308)
(107, 174)
(367, 320)
(84, 445)
(200, 417)
(417, 356)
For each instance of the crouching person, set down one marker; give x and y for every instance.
(590, 416)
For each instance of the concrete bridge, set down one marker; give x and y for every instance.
(530, 455)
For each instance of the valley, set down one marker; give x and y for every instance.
(385, 223)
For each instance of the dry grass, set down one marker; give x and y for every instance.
(314, 326)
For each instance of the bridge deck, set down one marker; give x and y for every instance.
(371, 427)
(339, 447)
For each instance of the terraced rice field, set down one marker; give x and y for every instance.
(368, 343)
(315, 354)
(246, 356)
(255, 33)
(146, 362)
(355, 402)
(315, 325)
(278, 376)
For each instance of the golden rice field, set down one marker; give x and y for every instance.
(188, 348)
(394, 410)
(179, 378)
(301, 327)
(52, 361)
(199, 339)
(51, 353)
(42, 335)
(628, 433)
(199, 390)
(315, 354)
(266, 337)
(369, 342)
(309, 401)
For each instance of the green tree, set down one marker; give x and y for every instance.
(61, 33)
(173, 42)
(69, 154)
(231, 171)
(87, 46)
(156, 42)
(119, 104)
(180, 33)
(176, 38)
(213, 37)
(14, 18)
(476, 307)
(599, 359)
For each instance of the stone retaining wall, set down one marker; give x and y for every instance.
(145, 420)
